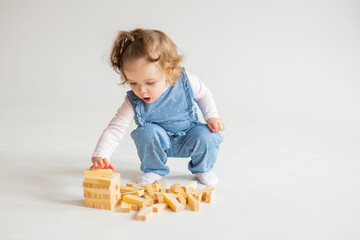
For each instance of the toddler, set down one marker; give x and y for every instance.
(162, 103)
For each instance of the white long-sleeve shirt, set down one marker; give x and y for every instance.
(116, 129)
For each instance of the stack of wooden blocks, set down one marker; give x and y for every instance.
(101, 188)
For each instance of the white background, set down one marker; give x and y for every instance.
(285, 78)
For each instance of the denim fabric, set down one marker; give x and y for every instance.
(169, 127)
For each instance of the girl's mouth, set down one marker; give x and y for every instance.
(146, 99)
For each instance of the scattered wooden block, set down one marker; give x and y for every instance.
(144, 214)
(159, 197)
(168, 190)
(156, 187)
(183, 193)
(149, 189)
(135, 185)
(172, 202)
(149, 198)
(182, 200)
(134, 207)
(159, 207)
(193, 203)
(138, 193)
(208, 193)
(191, 185)
(142, 202)
(125, 207)
(162, 185)
(198, 194)
(175, 187)
(126, 189)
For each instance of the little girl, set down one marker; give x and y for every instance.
(162, 103)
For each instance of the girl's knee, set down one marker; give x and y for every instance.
(204, 136)
(148, 133)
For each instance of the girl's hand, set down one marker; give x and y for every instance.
(216, 124)
(100, 163)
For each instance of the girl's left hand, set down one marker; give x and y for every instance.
(216, 124)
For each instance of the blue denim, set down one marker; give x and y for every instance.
(170, 127)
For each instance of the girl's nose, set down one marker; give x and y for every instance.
(142, 89)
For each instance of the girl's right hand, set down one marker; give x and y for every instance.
(100, 163)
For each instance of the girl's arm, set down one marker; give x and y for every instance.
(112, 135)
(206, 103)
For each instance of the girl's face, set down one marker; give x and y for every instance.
(146, 79)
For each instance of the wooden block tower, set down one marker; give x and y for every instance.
(101, 188)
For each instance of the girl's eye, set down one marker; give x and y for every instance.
(133, 83)
(150, 83)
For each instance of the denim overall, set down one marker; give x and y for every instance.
(169, 127)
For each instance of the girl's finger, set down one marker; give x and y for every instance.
(216, 126)
(94, 166)
(221, 126)
(106, 163)
(210, 126)
(101, 164)
(111, 166)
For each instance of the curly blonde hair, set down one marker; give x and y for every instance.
(153, 44)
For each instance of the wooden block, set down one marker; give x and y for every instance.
(101, 204)
(189, 187)
(142, 202)
(134, 207)
(149, 198)
(125, 207)
(101, 191)
(208, 197)
(156, 187)
(138, 193)
(124, 189)
(193, 203)
(182, 200)
(150, 190)
(97, 196)
(175, 187)
(98, 173)
(172, 202)
(97, 205)
(207, 194)
(110, 202)
(101, 186)
(198, 192)
(159, 207)
(135, 185)
(209, 188)
(159, 197)
(115, 179)
(144, 214)
(183, 193)
(162, 185)
(168, 190)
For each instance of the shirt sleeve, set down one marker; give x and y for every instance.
(203, 97)
(115, 131)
